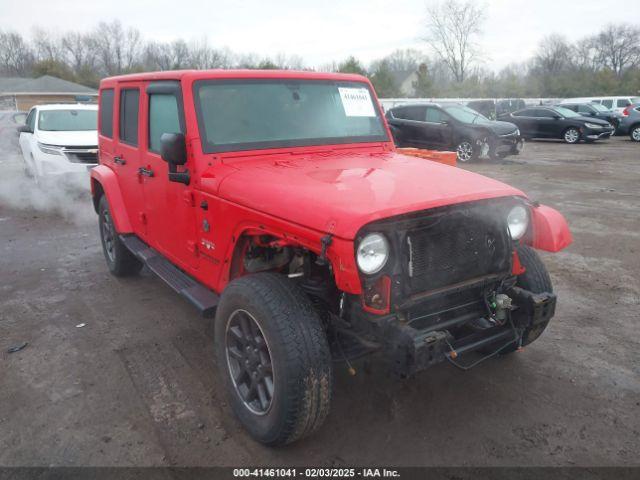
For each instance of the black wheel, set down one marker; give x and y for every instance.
(274, 357)
(466, 151)
(634, 133)
(120, 260)
(535, 279)
(571, 135)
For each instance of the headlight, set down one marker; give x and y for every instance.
(592, 125)
(372, 253)
(50, 149)
(518, 221)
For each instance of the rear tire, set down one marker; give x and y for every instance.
(535, 279)
(292, 399)
(634, 133)
(121, 262)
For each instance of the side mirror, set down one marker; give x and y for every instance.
(25, 129)
(173, 148)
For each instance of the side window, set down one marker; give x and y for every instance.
(106, 112)
(163, 118)
(623, 102)
(583, 109)
(529, 112)
(129, 107)
(414, 112)
(542, 113)
(434, 115)
(607, 103)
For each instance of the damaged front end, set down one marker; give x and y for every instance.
(449, 287)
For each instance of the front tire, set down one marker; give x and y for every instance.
(274, 357)
(120, 260)
(536, 279)
(571, 135)
(634, 133)
(466, 151)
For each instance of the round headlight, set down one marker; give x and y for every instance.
(518, 221)
(372, 253)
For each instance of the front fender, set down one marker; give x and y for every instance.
(103, 179)
(549, 230)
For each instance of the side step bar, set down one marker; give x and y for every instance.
(202, 298)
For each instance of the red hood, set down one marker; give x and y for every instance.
(341, 192)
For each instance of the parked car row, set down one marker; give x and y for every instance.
(455, 127)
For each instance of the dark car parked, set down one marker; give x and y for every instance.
(595, 110)
(453, 127)
(559, 122)
(630, 123)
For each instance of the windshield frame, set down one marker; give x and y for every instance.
(71, 109)
(209, 148)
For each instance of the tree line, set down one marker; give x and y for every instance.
(451, 64)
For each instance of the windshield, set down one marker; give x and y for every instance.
(466, 114)
(599, 107)
(68, 120)
(565, 112)
(255, 114)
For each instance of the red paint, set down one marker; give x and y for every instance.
(517, 268)
(297, 195)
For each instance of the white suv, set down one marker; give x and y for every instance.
(617, 104)
(60, 143)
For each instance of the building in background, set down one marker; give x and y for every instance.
(17, 93)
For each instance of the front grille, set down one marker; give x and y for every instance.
(82, 154)
(456, 247)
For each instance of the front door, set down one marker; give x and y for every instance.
(169, 205)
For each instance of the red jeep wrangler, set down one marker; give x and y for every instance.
(275, 201)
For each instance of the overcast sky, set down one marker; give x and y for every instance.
(323, 30)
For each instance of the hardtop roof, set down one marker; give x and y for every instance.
(229, 74)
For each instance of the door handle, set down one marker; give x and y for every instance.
(119, 160)
(147, 172)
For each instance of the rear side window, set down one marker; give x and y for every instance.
(163, 118)
(623, 102)
(529, 112)
(129, 107)
(607, 103)
(410, 113)
(542, 113)
(106, 112)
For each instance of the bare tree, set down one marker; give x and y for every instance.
(553, 55)
(585, 54)
(47, 46)
(16, 56)
(117, 48)
(619, 47)
(78, 48)
(453, 28)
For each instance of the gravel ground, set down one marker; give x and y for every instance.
(137, 385)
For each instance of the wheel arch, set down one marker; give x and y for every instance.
(105, 182)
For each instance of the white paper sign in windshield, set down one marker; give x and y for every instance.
(356, 102)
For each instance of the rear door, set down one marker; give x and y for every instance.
(409, 120)
(169, 205)
(127, 155)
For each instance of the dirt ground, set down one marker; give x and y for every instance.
(137, 384)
